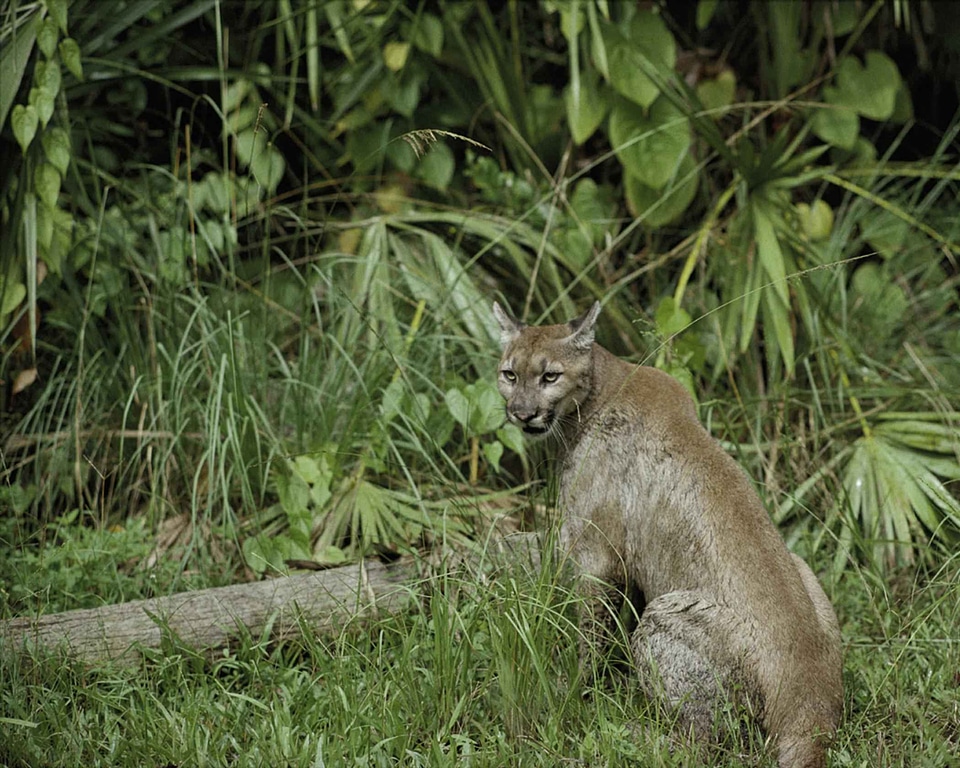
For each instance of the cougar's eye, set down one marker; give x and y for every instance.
(551, 377)
(508, 375)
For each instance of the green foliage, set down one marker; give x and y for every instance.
(36, 34)
(254, 247)
(478, 409)
(68, 566)
(894, 488)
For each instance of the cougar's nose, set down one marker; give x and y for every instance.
(525, 416)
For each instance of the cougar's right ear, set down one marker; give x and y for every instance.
(584, 328)
(509, 328)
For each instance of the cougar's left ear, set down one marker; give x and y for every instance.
(584, 328)
(509, 328)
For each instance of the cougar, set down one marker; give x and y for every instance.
(649, 501)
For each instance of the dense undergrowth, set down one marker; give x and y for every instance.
(246, 265)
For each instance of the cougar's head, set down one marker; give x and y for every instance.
(546, 371)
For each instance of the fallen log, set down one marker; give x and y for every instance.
(205, 619)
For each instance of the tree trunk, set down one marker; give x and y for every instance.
(323, 601)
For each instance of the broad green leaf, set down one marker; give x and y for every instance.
(592, 209)
(437, 166)
(586, 107)
(477, 407)
(705, 11)
(402, 92)
(878, 299)
(49, 78)
(56, 147)
(395, 55)
(647, 47)
(659, 207)
(903, 105)
(869, 88)
(648, 32)
(886, 232)
(11, 294)
(458, 405)
(294, 545)
(392, 400)
(57, 247)
(511, 436)
(313, 470)
(835, 123)
(294, 495)
(329, 555)
(600, 33)
(45, 102)
(70, 54)
(212, 236)
(250, 143)
(268, 167)
(427, 35)
(864, 154)
(261, 555)
(58, 12)
(420, 407)
(46, 180)
(682, 374)
(233, 96)
(576, 245)
(719, 92)
(816, 220)
(627, 76)
(320, 493)
(47, 37)
(670, 319)
(213, 192)
(488, 409)
(844, 17)
(572, 21)
(403, 155)
(650, 146)
(44, 229)
(492, 453)
(24, 121)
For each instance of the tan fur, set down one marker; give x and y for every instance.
(649, 499)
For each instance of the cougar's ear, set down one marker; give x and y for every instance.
(584, 328)
(509, 328)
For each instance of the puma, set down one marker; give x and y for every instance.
(650, 501)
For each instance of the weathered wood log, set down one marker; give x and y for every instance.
(209, 618)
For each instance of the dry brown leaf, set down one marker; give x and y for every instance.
(24, 379)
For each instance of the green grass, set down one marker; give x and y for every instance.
(484, 676)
